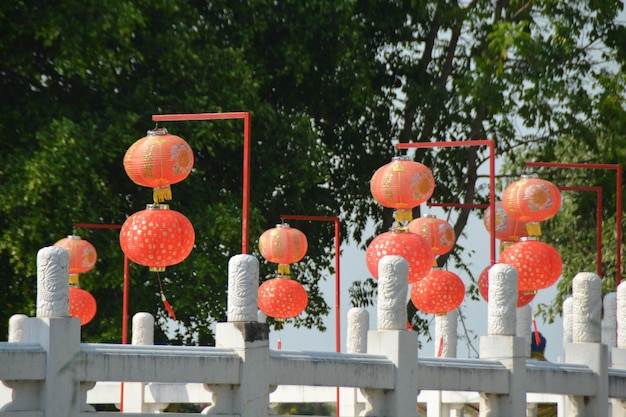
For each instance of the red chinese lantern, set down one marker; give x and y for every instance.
(507, 228)
(402, 184)
(157, 237)
(283, 245)
(523, 298)
(282, 298)
(437, 232)
(159, 160)
(399, 241)
(439, 292)
(538, 264)
(83, 255)
(531, 200)
(82, 305)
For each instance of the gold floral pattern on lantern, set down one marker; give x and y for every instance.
(159, 160)
(438, 232)
(531, 199)
(402, 184)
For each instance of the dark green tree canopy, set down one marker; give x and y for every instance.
(331, 87)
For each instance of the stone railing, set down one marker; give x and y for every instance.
(47, 371)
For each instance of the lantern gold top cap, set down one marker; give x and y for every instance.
(533, 175)
(73, 237)
(159, 131)
(283, 226)
(430, 216)
(157, 206)
(399, 229)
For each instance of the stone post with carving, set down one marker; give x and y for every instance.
(249, 339)
(394, 341)
(502, 345)
(586, 348)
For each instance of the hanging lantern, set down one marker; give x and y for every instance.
(157, 237)
(439, 292)
(399, 241)
(437, 232)
(83, 255)
(507, 228)
(282, 298)
(523, 298)
(159, 160)
(531, 200)
(82, 305)
(538, 264)
(283, 245)
(402, 184)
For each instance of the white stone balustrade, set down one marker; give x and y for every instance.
(49, 372)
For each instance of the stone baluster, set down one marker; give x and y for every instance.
(394, 341)
(356, 342)
(249, 339)
(502, 345)
(524, 322)
(446, 334)
(586, 348)
(618, 356)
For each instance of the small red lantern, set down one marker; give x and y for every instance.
(439, 292)
(507, 228)
(83, 305)
(437, 232)
(157, 161)
(282, 298)
(83, 255)
(531, 200)
(402, 184)
(523, 298)
(399, 241)
(157, 237)
(538, 264)
(283, 245)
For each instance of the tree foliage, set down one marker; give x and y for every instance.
(331, 87)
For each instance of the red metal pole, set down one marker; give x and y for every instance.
(245, 213)
(492, 175)
(618, 202)
(337, 275)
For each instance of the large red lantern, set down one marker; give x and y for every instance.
(282, 298)
(402, 184)
(507, 228)
(399, 241)
(283, 245)
(83, 255)
(523, 298)
(82, 305)
(159, 160)
(531, 200)
(437, 232)
(538, 264)
(439, 292)
(157, 237)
